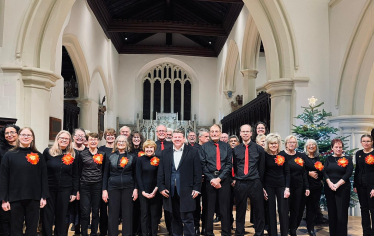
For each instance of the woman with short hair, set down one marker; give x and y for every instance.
(91, 176)
(24, 183)
(277, 184)
(146, 175)
(63, 182)
(260, 140)
(299, 185)
(338, 170)
(119, 186)
(363, 183)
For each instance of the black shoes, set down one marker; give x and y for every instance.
(312, 233)
(202, 231)
(217, 219)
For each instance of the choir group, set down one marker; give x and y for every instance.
(132, 180)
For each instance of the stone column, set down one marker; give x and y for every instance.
(85, 120)
(281, 99)
(249, 85)
(32, 99)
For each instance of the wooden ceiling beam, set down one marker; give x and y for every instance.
(145, 26)
(222, 1)
(175, 50)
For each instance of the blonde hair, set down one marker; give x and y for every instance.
(55, 150)
(288, 139)
(259, 137)
(150, 143)
(116, 141)
(271, 138)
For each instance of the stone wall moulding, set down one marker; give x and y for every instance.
(250, 74)
(34, 77)
(354, 122)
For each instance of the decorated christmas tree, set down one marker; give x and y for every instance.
(315, 127)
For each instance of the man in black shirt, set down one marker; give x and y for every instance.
(191, 138)
(161, 145)
(233, 141)
(216, 162)
(249, 168)
(179, 181)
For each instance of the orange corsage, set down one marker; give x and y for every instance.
(279, 160)
(67, 159)
(318, 165)
(98, 159)
(155, 161)
(369, 159)
(342, 162)
(141, 153)
(124, 162)
(299, 161)
(33, 158)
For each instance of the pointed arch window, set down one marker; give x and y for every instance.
(167, 88)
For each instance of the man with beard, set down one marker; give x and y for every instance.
(191, 139)
(169, 133)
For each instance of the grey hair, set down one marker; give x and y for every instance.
(312, 141)
(235, 137)
(202, 130)
(288, 139)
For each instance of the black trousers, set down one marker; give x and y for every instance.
(167, 216)
(232, 200)
(55, 212)
(24, 210)
(103, 218)
(90, 195)
(120, 199)
(149, 214)
(204, 204)
(277, 194)
(223, 196)
(136, 215)
(338, 204)
(183, 222)
(251, 189)
(4, 222)
(196, 212)
(312, 206)
(296, 194)
(367, 210)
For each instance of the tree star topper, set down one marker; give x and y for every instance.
(312, 101)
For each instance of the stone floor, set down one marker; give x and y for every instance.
(354, 228)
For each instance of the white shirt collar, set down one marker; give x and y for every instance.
(176, 150)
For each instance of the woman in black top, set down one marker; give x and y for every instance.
(110, 137)
(259, 128)
(314, 169)
(136, 141)
(8, 139)
(74, 211)
(119, 187)
(24, 183)
(363, 183)
(91, 175)
(146, 175)
(277, 184)
(299, 183)
(338, 169)
(62, 170)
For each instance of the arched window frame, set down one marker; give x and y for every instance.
(173, 73)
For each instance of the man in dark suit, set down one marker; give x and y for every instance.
(179, 181)
(161, 133)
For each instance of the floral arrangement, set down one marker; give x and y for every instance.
(279, 160)
(155, 161)
(299, 161)
(369, 159)
(342, 162)
(98, 159)
(318, 165)
(33, 158)
(67, 159)
(123, 162)
(141, 153)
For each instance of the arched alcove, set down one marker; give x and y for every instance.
(230, 71)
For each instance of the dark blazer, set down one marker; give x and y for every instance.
(190, 177)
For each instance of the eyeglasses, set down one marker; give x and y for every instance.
(136, 137)
(64, 139)
(79, 136)
(26, 135)
(245, 132)
(92, 140)
(121, 141)
(10, 133)
(260, 128)
(161, 131)
(291, 142)
(110, 136)
(366, 141)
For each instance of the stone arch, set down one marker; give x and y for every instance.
(356, 78)
(251, 45)
(277, 36)
(100, 71)
(192, 73)
(39, 33)
(76, 54)
(232, 60)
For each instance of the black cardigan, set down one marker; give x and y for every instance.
(62, 177)
(21, 180)
(364, 173)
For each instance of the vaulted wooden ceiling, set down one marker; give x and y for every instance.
(129, 22)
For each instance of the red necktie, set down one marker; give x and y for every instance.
(246, 160)
(218, 157)
(192, 144)
(233, 173)
(162, 146)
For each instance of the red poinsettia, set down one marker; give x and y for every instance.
(279, 160)
(342, 162)
(318, 165)
(33, 158)
(98, 159)
(299, 161)
(155, 161)
(369, 159)
(67, 159)
(124, 161)
(141, 153)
